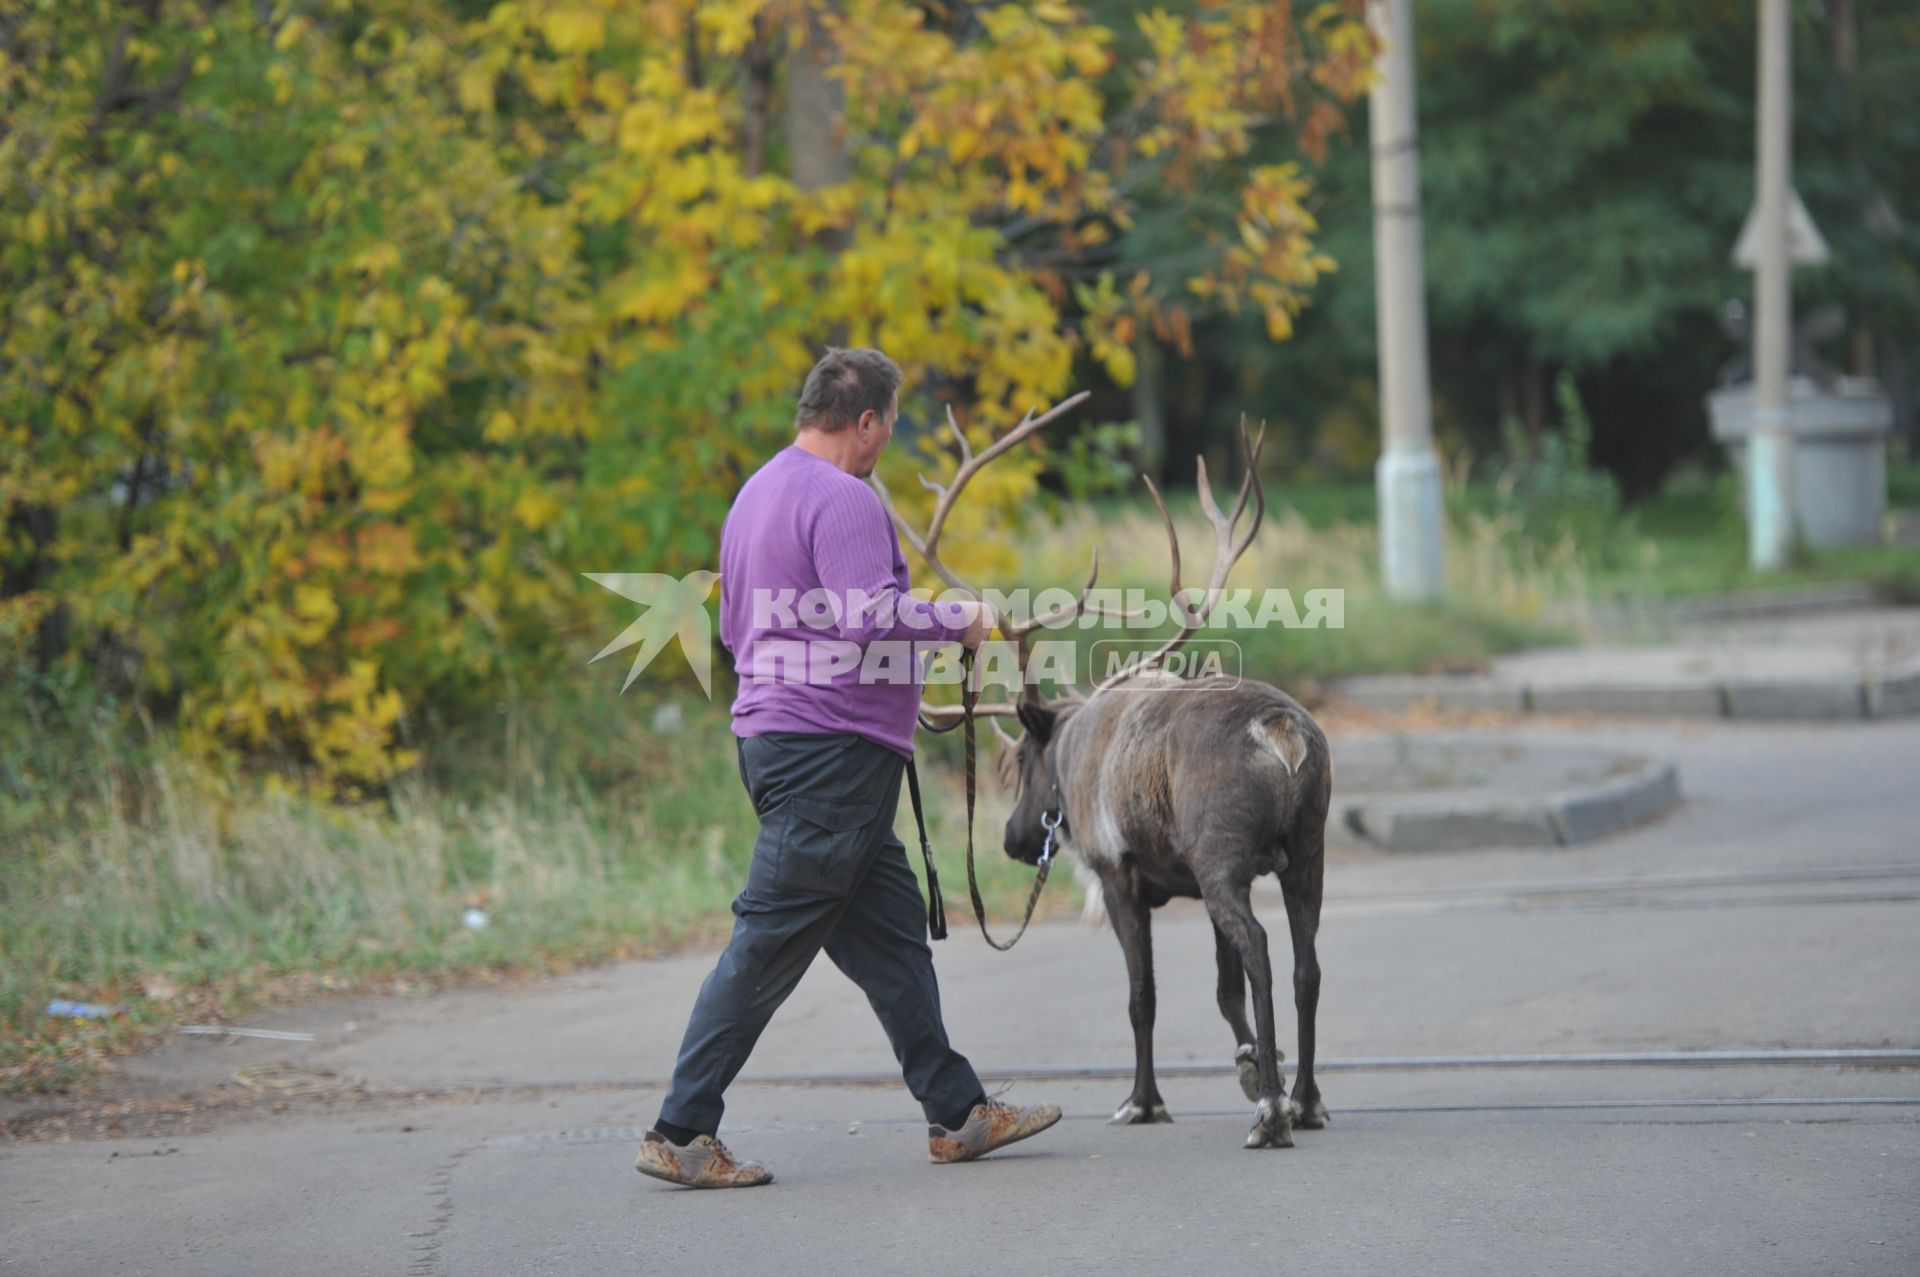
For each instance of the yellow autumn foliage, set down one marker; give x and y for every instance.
(341, 336)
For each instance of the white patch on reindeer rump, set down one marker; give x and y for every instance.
(1280, 738)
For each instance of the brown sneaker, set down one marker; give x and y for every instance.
(705, 1163)
(991, 1125)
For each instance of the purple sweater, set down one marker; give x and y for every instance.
(815, 609)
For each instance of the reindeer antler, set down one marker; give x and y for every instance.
(928, 546)
(945, 495)
(1229, 547)
(1226, 550)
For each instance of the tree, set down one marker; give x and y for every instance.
(1586, 168)
(343, 334)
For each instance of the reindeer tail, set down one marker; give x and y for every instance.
(1281, 736)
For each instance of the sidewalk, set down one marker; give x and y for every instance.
(1844, 665)
(1467, 790)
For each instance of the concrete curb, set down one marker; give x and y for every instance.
(1885, 695)
(1563, 818)
(1632, 614)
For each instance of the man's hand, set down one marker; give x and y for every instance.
(981, 620)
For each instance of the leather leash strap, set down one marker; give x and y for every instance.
(969, 696)
(936, 912)
(936, 907)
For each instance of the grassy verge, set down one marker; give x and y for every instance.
(1690, 539)
(175, 890)
(1501, 593)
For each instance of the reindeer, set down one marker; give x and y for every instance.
(1170, 787)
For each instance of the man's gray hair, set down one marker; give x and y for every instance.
(844, 384)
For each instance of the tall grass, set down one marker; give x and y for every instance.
(170, 885)
(1503, 591)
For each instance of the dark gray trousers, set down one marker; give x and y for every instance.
(827, 873)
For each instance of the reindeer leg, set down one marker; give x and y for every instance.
(1128, 910)
(1301, 886)
(1233, 1005)
(1232, 912)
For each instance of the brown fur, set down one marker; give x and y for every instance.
(1193, 789)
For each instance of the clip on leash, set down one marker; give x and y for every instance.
(968, 697)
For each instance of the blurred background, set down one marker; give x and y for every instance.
(342, 336)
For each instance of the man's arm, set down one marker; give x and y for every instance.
(853, 548)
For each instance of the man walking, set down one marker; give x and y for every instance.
(825, 734)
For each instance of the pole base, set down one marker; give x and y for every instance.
(1411, 531)
(1769, 499)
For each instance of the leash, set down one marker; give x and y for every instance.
(1050, 820)
(936, 907)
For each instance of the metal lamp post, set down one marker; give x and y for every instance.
(1407, 477)
(1770, 451)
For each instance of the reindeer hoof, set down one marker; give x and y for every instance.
(1271, 1128)
(1133, 1113)
(1249, 1069)
(1311, 1118)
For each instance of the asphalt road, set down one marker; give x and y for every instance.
(493, 1130)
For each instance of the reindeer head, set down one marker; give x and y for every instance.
(1038, 808)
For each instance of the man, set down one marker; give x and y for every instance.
(824, 740)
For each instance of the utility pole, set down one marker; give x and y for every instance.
(1770, 446)
(1408, 475)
